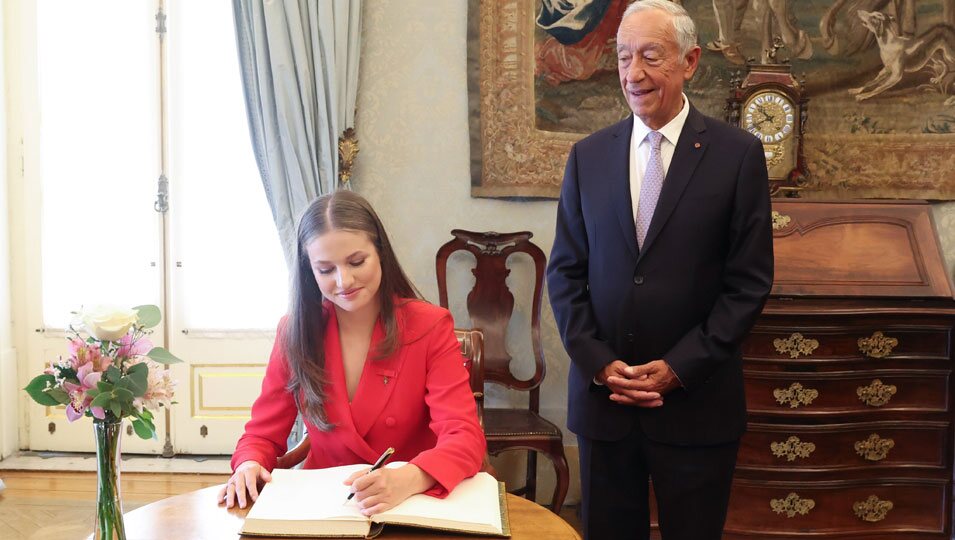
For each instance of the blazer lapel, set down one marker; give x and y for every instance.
(378, 381)
(618, 171)
(340, 412)
(686, 156)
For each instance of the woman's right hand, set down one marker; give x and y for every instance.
(245, 480)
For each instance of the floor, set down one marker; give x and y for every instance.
(50, 497)
(57, 505)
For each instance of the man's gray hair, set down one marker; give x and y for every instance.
(683, 26)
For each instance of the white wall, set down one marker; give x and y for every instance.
(8, 367)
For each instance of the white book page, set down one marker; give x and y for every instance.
(474, 500)
(307, 494)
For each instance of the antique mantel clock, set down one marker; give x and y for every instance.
(771, 104)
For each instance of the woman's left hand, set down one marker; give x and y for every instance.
(380, 490)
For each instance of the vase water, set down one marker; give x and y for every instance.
(109, 505)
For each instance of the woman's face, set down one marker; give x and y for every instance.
(347, 268)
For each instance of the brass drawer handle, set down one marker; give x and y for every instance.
(780, 221)
(796, 345)
(795, 395)
(874, 448)
(872, 509)
(792, 505)
(792, 448)
(876, 394)
(878, 345)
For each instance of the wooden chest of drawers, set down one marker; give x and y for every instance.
(849, 381)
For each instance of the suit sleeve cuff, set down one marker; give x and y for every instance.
(675, 374)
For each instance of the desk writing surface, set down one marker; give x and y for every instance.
(196, 516)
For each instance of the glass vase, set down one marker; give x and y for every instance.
(109, 505)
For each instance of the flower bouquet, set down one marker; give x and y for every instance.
(112, 372)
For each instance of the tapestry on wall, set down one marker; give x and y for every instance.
(880, 76)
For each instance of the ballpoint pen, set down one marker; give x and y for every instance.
(381, 461)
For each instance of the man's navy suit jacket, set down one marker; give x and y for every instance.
(689, 295)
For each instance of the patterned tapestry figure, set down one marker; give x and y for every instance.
(900, 55)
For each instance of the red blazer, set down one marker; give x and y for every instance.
(417, 400)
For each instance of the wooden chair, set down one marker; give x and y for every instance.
(472, 349)
(490, 305)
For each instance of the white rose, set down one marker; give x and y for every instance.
(108, 323)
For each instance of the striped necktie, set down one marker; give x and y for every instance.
(650, 187)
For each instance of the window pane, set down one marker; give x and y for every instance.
(99, 154)
(233, 273)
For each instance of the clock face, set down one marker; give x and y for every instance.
(770, 116)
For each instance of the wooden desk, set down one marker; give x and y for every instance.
(196, 515)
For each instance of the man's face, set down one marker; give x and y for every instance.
(652, 71)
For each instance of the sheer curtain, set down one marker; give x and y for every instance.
(299, 66)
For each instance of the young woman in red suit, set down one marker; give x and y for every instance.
(369, 365)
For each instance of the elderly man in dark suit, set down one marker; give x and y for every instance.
(661, 264)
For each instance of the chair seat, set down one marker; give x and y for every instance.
(502, 424)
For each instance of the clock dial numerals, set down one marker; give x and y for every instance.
(771, 105)
(770, 116)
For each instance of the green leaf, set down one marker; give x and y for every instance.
(163, 356)
(116, 408)
(59, 395)
(123, 383)
(146, 415)
(102, 400)
(124, 395)
(137, 367)
(104, 386)
(148, 316)
(113, 374)
(144, 431)
(137, 382)
(37, 388)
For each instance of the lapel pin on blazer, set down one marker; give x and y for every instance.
(696, 145)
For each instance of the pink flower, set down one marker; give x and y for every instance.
(82, 353)
(160, 386)
(129, 348)
(79, 400)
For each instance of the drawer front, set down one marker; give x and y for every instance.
(861, 446)
(801, 344)
(768, 509)
(838, 392)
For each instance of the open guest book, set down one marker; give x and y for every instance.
(311, 502)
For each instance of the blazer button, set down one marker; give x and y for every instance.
(390, 421)
(638, 280)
